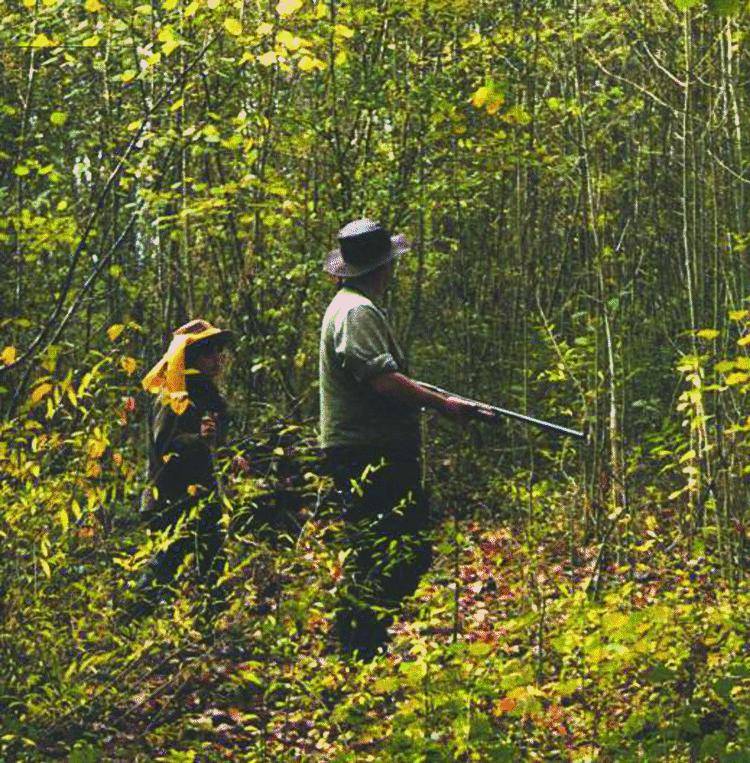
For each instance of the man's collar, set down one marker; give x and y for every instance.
(365, 291)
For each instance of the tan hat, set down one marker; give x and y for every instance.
(364, 245)
(167, 377)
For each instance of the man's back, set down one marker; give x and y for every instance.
(357, 344)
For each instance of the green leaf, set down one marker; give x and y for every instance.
(725, 7)
(386, 685)
(58, 118)
(713, 745)
(660, 674)
(684, 5)
(723, 366)
(480, 649)
(413, 672)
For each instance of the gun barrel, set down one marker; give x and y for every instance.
(504, 412)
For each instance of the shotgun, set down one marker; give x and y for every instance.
(485, 412)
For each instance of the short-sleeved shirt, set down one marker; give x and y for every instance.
(356, 345)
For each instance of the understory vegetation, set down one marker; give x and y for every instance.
(573, 179)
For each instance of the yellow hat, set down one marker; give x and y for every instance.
(167, 377)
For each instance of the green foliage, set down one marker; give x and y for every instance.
(573, 180)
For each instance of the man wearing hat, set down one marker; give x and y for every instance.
(369, 425)
(189, 423)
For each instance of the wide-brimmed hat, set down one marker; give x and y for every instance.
(364, 245)
(167, 377)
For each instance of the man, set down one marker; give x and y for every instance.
(189, 424)
(369, 422)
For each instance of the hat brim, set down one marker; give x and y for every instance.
(218, 337)
(337, 266)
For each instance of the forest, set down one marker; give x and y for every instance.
(572, 177)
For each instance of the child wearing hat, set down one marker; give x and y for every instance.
(190, 417)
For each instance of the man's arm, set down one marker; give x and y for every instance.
(406, 391)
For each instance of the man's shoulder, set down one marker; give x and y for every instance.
(345, 302)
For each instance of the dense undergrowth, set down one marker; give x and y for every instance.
(528, 639)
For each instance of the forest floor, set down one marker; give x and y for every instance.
(504, 653)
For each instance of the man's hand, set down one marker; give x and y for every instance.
(406, 391)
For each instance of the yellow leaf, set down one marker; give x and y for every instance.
(233, 26)
(744, 341)
(343, 31)
(707, 333)
(96, 448)
(192, 9)
(43, 389)
(129, 75)
(29, 4)
(169, 46)
(737, 378)
(91, 42)
(213, 4)
(308, 63)
(42, 41)
(166, 34)
(267, 59)
(93, 469)
(480, 96)
(170, 5)
(64, 521)
(129, 365)
(114, 331)
(92, 6)
(44, 564)
(176, 105)
(738, 315)
(723, 366)
(289, 41)
(8, 355)
(288, 7)
(494, 105)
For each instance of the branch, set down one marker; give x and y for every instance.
(36, 344)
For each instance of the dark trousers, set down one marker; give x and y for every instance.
(385, 527)
(202, 536)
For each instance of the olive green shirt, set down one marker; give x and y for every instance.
(356, 345)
